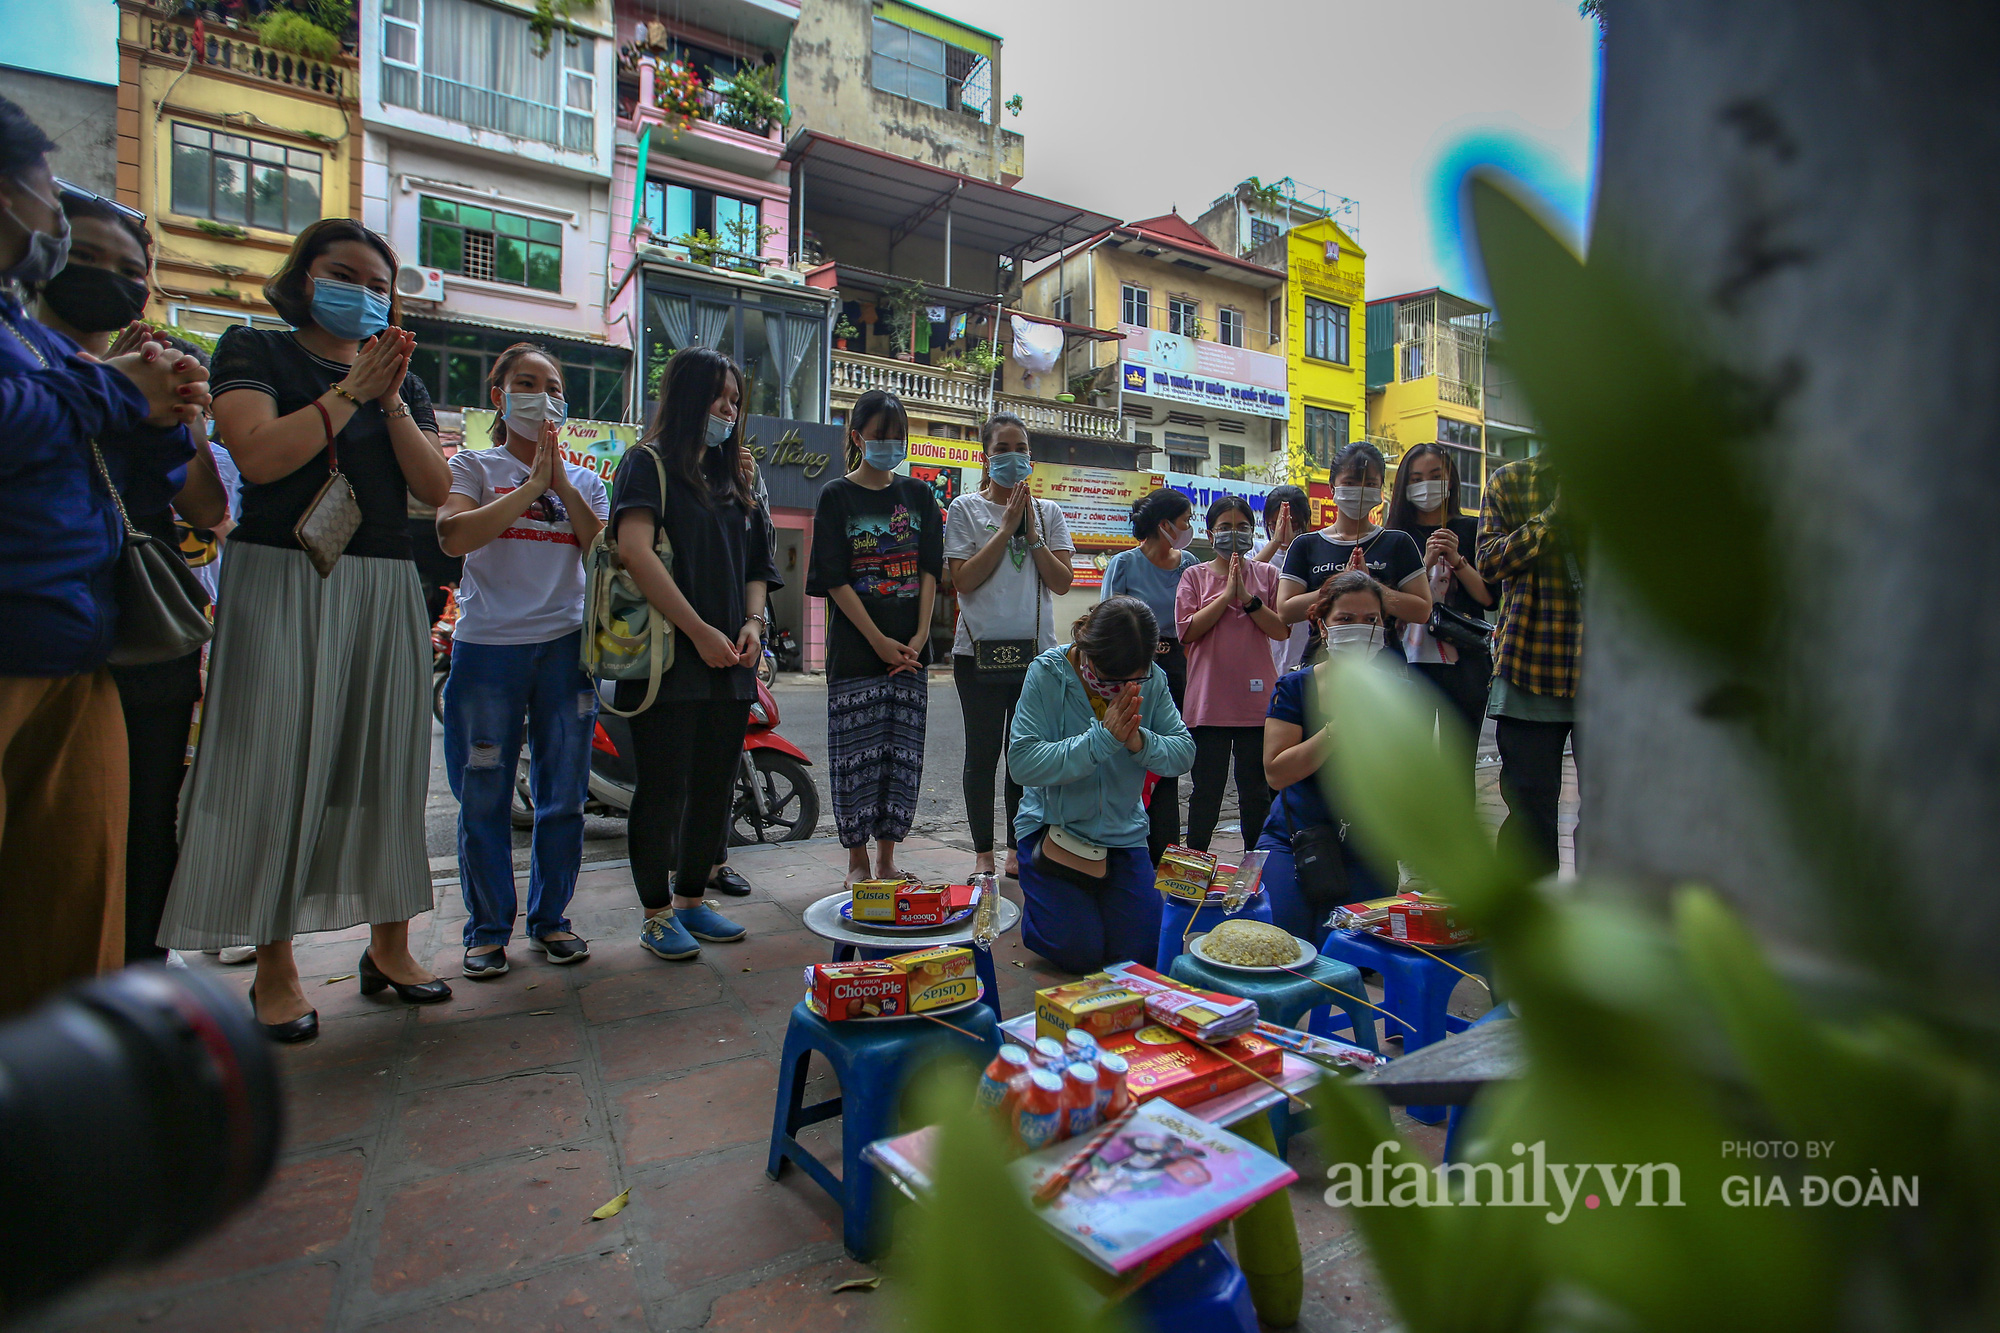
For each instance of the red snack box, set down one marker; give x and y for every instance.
(922, 904)
(1427, 921)
(1162, 1063)
(857, 990)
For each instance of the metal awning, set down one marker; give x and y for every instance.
(909, 199)
(851, 278)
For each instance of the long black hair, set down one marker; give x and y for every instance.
(22, 143)
(869, 408)
(1119, 636)
(1162, 506)
(679, 430)
(1403, 514)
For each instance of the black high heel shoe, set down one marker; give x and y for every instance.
(424, 992)
(303, 1028)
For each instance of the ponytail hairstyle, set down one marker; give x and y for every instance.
(1119, 637)
(496, 378)
(1162, 506)
(867, 410)
(695, 378)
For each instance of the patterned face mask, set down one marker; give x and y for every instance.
(1095, 683)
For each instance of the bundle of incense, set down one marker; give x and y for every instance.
(1317, 1048)
(1052, 1188)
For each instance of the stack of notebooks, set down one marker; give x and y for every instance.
(1201, 1014)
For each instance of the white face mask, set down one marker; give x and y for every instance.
(526, 412)
(1427, 495)
(1356, 501)
(1366, 640)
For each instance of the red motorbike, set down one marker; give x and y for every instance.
(776, 799)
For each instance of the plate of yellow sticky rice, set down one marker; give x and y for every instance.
(1252, 946)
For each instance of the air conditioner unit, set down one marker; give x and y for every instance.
(420, 284)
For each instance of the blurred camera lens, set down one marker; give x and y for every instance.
(137, 1110)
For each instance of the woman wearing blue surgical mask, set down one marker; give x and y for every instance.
(304, 808)
(1151, 571)
(1010, 559)
(522, 516)
(686, 744)
(877, 554)
(1227, 624)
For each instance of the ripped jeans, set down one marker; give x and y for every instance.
(493, 688)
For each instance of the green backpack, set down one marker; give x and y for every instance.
(624, 637)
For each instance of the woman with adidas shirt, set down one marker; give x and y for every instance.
(522, 518)
(1355, 541)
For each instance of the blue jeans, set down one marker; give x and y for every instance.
(1080, 930)
(491, 689)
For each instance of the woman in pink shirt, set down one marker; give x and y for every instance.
(1227, 629)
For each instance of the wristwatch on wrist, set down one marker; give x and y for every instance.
(1038, 544)
(1253, 606)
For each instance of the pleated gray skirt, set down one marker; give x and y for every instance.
(304, 809)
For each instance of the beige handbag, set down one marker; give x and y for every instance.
(329, 522)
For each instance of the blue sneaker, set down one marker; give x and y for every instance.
(665, 937)
(705, 923)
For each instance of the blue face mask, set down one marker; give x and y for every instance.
(884, 455)
(526, 412)
(719, 430)
(1009, 469)
(348, 311)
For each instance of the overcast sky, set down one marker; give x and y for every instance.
(1131, 108)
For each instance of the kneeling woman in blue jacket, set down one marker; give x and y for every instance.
(1093, 720)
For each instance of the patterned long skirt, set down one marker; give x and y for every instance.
(875, 747)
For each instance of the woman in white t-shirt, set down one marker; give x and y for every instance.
(1010, 556)
(522, 518)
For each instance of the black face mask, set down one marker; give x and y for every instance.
(95, 300)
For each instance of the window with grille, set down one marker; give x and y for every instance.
(1326, 331)
(244, 182)
(1326, 435)
(1183, 317)
(1135, 306)
(1229, 326)
(927, 69)
(1461, 439)
(1262, 231)
(490, 245)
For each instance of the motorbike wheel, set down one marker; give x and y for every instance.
(521, 813)
(790, 798)
(438, 679)
(767, 669)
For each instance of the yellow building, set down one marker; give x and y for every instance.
(1325, 281)
(1426, 379)
(230, 148)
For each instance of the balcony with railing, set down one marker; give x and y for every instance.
(966, 397)
(737, 125)
(238, 51)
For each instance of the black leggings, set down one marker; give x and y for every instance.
(158, 702)
(686, 754)
(1213, 747)
(986, 700)
(1163, 812)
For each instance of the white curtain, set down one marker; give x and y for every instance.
(496, 81)
(793, 339)
(673, 314)
(711, 325)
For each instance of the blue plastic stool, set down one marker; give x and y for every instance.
(1416, 988)
(1285, 999)
(872, 1060)
(1203, 1293)
(1180, 919)
(982, 965)
(1452, 1122)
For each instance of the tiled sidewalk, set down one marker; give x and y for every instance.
(441, 1163)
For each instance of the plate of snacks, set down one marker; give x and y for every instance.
(891, 928)
(1253, 946)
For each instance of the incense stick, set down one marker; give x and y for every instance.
(954, 1027)
(1215, 1050)
(1338, 991)
(1448, 963)
(1053, 1187)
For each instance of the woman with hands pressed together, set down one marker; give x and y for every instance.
(1227, 628)
(304, 809)
(1356, 541)
(1093, 720)
(1425, 505)
(522, 516)
(686, 745)
(878, 549)
(1010, 558)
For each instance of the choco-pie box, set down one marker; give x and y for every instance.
(858, 990)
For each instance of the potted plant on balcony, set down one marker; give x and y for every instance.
(903, 300)
(842, 331)
(983, 358)
(750, 101)
(678, 90)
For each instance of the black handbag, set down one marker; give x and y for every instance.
(1458, 629)
(992, 657)
(162, 607)
(1320, 863)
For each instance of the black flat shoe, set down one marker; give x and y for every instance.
(728, 881)
(303, 1028)
(479, 966)
(424, 992)
(561, 952)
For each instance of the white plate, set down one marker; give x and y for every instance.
(885, 928)
(1307, 956)
(904, 1018)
